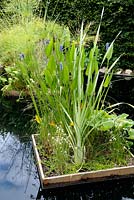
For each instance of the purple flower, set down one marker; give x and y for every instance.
(61, 66)
(61, 47)
(107, 45)
(22, 56)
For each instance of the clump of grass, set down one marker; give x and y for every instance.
(21, 32)
(17, 38)
(22, 27)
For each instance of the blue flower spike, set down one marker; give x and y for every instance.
(22, 56)
(107, 45)
(61, 66)
(61, 48)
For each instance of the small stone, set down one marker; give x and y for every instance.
(128, 71)
(102, 70)
(119, 72)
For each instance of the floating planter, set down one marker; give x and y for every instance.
(80, 134)
(78, 178)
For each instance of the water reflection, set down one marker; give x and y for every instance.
(18, 178)
(110, 190)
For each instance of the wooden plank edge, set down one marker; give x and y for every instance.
(119, 171)
(86, 181)
(38, 160)
(82, 176)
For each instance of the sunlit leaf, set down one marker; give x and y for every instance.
(48, 77)
(49, 48)
(110, 52)
(107, 81)
(65, 74)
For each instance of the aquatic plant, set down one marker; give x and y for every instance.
(74, 125)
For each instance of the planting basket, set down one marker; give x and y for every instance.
(78, 178)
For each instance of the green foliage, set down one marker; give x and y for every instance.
(60, 101)
(15, 41)
(12, 80)
(17, 11)
(118, 16)
(74, 126)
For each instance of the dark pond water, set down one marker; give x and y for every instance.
(18, 175)
(122, 90)
(18, 178)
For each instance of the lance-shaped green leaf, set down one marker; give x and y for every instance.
(107, 80)
(49, 48)
(48, 77)
(110, 52)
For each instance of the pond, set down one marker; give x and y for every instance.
(18, 177)
(18, 173)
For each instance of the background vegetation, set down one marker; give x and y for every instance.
(118, 16)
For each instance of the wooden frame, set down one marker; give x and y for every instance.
(79, 178)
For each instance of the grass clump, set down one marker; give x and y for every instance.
(18, 34)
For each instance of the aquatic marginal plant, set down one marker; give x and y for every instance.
(62, 100)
